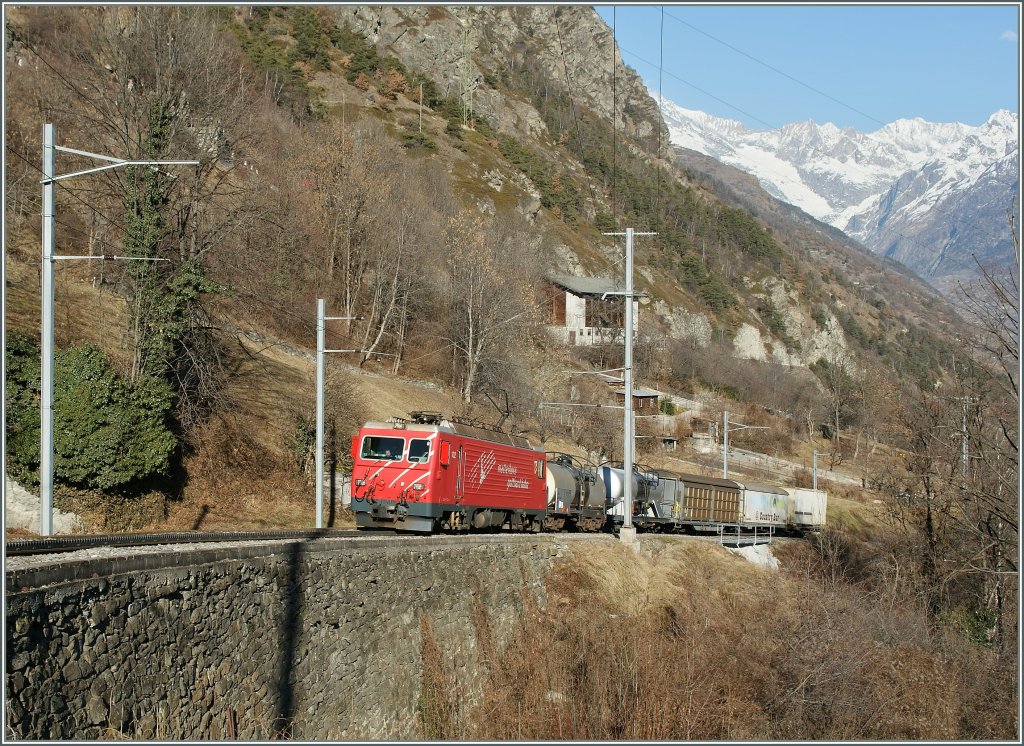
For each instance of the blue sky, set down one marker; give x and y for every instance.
(857, 66)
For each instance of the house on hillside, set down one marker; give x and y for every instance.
(645, 401)
(582, 314)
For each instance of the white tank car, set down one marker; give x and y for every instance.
(614, 480)
(563, 488)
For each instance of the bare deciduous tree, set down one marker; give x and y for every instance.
(990, 437)
(844, 396)
(155, 83)
(348, 172)
(400, 258)
(491, 293)
(959, 491)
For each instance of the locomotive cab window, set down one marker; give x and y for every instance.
(380, 448)
(419, 451)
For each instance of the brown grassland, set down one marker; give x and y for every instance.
(688, 642)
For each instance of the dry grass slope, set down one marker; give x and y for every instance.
(688, 642)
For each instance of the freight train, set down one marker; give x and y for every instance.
(431, 473)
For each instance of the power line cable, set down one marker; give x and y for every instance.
(777, 70)
(84, 234)
(60, 75)
(66, 190)
(698, 88)
(659, 66)
(572, 105)
(661, 119)
(615, 125)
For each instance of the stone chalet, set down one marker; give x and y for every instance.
(579, 316)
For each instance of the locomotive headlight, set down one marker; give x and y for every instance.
(419, 487)
(360, 483)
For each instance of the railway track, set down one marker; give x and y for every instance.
(58, 545)
(73, 543)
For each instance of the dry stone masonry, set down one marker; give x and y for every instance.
(316, 639)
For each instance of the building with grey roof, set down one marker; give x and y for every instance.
(581, 312)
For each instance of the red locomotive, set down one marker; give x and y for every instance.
(431, 473)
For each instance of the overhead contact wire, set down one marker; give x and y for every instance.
(572, 106)
(614, 106)
(777, 70)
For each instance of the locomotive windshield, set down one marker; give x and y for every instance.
(382, 449)
(419, 451)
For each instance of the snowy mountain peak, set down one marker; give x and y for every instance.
(884, 187)
(677, 113)
(1005, 119)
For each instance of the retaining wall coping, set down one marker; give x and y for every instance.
(37, 571)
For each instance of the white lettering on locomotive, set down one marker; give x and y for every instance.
(507, 469)
(517, 484)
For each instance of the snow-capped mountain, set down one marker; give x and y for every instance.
(928, 195)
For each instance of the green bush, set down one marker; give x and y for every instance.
(604, 221)
(21, 405)
(108, 434)
(819, 314)
(311, 39)
(272, 58)
(716, 294)
(557, 191)
(363, 57)
(854, 329)
(417, 140)
(453, 129)
(431, 94)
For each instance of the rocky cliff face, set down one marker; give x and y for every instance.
(572, 44)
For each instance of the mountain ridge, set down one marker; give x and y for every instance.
(910, 190)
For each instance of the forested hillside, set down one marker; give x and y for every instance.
(421, 169)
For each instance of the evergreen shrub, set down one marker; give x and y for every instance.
(109, 434)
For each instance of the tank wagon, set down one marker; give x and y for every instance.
(577, 495)
(641, 486)
(431, 473)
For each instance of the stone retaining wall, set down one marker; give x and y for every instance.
(316, 639)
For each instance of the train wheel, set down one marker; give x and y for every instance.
(590, 524)
(555, 524)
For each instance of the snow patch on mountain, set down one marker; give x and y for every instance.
(883, 188)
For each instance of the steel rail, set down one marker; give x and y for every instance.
(73, 543)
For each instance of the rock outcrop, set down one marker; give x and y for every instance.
(567, 42)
